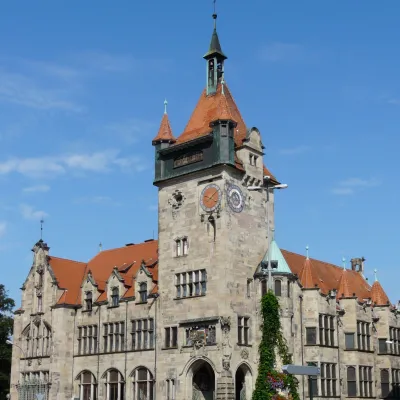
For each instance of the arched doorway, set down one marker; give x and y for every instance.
(203, 381)
(243, 383)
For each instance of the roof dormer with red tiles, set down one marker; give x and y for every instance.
(216, 133)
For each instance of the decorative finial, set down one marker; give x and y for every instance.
(376, 275)
(215, 15)
(223, 86)
(307, 251)
(273, 234)
(41, 228)
(100, 247)
(165, 106)
(344, 263)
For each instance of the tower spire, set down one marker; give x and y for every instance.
(215, 60)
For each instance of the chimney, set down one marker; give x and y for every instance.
(357, 264)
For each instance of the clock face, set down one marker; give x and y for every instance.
(235, 198)
(210, 197)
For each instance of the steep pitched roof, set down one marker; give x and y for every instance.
(165, 132)
(70, 274)
(326, 276)
(220, 105)
(344, 289)
(378, 295)
(276, 256)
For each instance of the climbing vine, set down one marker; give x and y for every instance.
(271, 384)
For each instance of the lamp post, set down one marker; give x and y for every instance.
(267, 188)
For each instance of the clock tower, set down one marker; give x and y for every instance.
(212, 236)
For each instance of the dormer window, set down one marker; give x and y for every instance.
(89, 301)
(115, 297)
(143, 292)
(181, 247)
(253, 159)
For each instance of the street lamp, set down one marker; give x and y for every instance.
(11, 343)
(267, 188)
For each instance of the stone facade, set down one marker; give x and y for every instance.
(190, 329)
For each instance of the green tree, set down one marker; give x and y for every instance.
(272, 343)
(6, 327)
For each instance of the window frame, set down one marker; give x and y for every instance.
(351, 380)
(137, 383)
(142, 334)
(243, 330)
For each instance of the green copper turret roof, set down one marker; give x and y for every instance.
(215, 46)
(276, 257)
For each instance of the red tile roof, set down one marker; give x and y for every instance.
(212, 108)
(344, 289)
(326, 276)
(70, 274)
(378, 295)
(165, 131)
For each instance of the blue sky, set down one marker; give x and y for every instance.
(81, 97)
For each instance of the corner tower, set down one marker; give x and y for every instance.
(212, 235)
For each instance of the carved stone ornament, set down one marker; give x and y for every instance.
(39, 361)
(244, 353)
(30, 362)
(226, 364)
(198, 339)
(225, 323)
(177, 199)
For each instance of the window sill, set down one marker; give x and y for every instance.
(113, 306)
(170, 348)
(244, 345)
(87, 311)
(361, 351)
(321, 345)
(109, 352)
(189, 297)
(181, 256)
(189, 346)
(34, 358)
(141, 302)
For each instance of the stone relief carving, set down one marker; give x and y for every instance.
(244, 353)
(226, 345)
(177, 199)
(198, 339)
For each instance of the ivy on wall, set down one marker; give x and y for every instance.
(271, 382)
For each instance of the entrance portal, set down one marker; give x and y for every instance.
(203, 384)
(243, 383)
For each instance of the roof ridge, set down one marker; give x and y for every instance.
(69, 260)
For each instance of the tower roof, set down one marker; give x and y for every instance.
(215, 45)
(165, 132)
(344, 290)
(219, 106)
(378, 295)
(307, 275)
(276, 256)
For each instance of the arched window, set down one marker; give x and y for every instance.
(142, 384)
(289, 288)
(37, 339)
(385, 384)
(351, 382)
(87, 386)
(278, 287)
(263, 287)
(89, 301)
(143, 292)
(115, 297)
(115, 385)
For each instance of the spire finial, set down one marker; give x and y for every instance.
(100, 247)
(376, 275)
(344, 262)
(307, 251)
(223, 86)
(165, 106)
(273, 234)
(215, 15)
(41, 228)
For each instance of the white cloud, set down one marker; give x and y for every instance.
(352, 185)
(28, 212)
(278, 51)
(37, 188)
(3, 227)
(295, 150)
(79, 162)
(22, 90)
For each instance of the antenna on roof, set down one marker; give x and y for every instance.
(41, 228)
(100, 247)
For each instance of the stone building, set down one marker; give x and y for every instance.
(179, 317)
